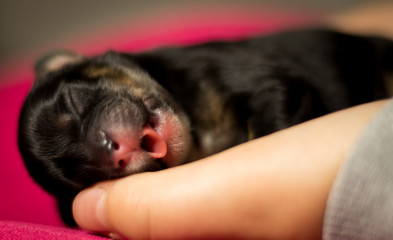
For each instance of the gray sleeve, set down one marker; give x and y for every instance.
(360, 204)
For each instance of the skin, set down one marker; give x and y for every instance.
(371, 18)
(275, 187)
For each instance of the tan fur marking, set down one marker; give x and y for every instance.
(250, 130)
(63, 121)
(116, 76)
(104, 72)
(216, 120)
(388, 80)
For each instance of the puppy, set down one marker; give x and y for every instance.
(109, 116)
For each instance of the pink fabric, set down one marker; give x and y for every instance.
(19, 231)
(21, 199)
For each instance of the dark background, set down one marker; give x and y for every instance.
(25, 25)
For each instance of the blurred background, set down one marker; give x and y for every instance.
(27, 25)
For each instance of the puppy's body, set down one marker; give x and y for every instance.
(91, 119)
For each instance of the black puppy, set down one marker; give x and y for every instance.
(92, 119)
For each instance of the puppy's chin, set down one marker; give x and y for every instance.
(137, 166)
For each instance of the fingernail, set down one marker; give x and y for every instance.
(89, 209)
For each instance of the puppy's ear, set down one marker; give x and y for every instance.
(56, 60)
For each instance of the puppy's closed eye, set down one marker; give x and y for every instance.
(77, 99)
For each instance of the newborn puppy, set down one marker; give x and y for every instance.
(109, 116)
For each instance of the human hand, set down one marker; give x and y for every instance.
(275, 187)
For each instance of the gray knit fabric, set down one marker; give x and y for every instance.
(360, 204)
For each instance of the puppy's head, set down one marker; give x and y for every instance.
(91, 119)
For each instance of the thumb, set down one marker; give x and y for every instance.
(105, 208)
(142, 206)
(89, 209)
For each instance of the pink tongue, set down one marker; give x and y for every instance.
(153, 143)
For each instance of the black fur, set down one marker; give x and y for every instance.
(219, 94)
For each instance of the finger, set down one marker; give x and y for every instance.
(146, 205)
(112, 207)
(88, 209)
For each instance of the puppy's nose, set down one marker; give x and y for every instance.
(125, 146)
